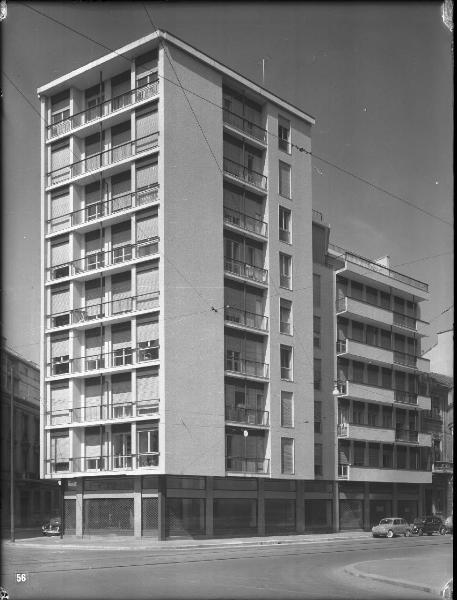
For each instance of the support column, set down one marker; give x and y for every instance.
(79, 508)
(137, 507)
(366, 506)
(300, 507)
(261, 507)
(395, 499)
(421, 500)
(162, 499)
(336, 506)
(209, 522)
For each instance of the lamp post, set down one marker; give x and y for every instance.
(245, 433)
(12, 455)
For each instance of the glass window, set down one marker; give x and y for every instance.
(317, 416)
(357, 331)
(284, 179)
(359, 454)
(284, 224)
(371, 295)
(372, 335)
(317, 364)
(318, 459)
(148, 447)
(285, 271)
(357, 372)
(358, 412)
(286, 363)
(356, 290)
(287, 409)
(316, 331)
(316, 289)
(287, 455)
(285, 317)
(283, 134)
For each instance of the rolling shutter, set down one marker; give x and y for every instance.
(60, 403)
(147, 331)
(93, 398)
(60, 210)
(120, 234)
(147, 281)
(93, 342)
(147, 387)
(146, 125)
(287, 410)
(287, 455)
(122, 389)
(60, 301)
(60, 448)
(92, 193)
(121, 292)
(121, 337)
(92, 445)
(60, 158)
(147, 228)
(146, 175)
(59, 347)
(60, 253)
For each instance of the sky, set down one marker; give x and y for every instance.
(377, 77)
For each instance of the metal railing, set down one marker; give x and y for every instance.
(399, 319)
(443, 466)
(408, 360)
(244, 221)
(431, 414)
(374, 266)
(247, 465)
(246, 367)
(341, 346)
(105, 208)
(249, 416)
(343, 471)
(284, 235)
(103, 259)
(406, 435)
(243, 317)
(103, 462)
(104, 360)
(343, 430)
(245, 125)
(405, 397)
(74, 316)
(245, 270)
(404, 320)
(103, 159)
(401, 358)
(103, 412)
(244, 174)
(285, 281)
(103, 109)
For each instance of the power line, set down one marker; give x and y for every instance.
(299, 148)
(423, 258)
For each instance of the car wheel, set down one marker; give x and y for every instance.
(390, 533)
(375, 535)
(443, 530)
(407, 533)
(420, 532)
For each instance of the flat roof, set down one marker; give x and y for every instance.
(130, 50)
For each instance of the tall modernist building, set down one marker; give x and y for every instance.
(184, 275)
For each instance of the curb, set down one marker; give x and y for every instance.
(353, 570)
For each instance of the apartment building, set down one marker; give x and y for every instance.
(34, 500)
(382, 391)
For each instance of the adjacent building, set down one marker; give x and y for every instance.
(184, 275)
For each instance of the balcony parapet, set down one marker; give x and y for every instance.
(64, 365)
(113, 462)
(236, 267)
(406, 435)
(103, 259)
(113, 308)
(245, 222)
(84, 117)
(441, 466)
(383, 474)
(244, 174)
(245, 126)
(103, 412)
(247, 367)
(102, 209)
(103, 159)
(237, 316)
(247, 416)
(403, 397)
(236, 464)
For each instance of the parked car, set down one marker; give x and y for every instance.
(51, 527)
(428, 525)
(391, 526)
(448, 524)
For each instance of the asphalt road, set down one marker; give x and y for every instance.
(301, 571)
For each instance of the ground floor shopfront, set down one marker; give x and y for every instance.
(35, 500)
(198, 507)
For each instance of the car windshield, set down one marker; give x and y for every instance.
(385, 521)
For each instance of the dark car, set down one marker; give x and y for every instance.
(448, 525)
(51, 527)
(428, 525)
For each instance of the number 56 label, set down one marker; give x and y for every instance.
(21, 577)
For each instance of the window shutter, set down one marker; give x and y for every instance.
(60, 209)
(120, 184)
(93, 342)
(60, 253)
(59, 347)
(146, 228)
(60, 398)
(120, 234)
(92, 444)
(148, 331)
(61, 447)
(60, 301)
(146, 175)
(287, 455)
(146, 125)
(122, 390)
(147, 281)
(93, 392)
(286, 410)
(60, 157)
(120, 290)
(93, 292)
(147, 387)
(121, 337)
(284, 179)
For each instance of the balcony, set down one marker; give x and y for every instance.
(102, 259)
(103, 412)
(249, 368)
(377, 272)
(114, 462)
(100, 210)
(239, 220)
(247, 465)
(245, 126)
(406, 435)
(441, 466)
(246, 271)
(114, 308)
(359, 431)
(356, 349)
(383, 474)
(247, 416)
(96, 362)
(243, 318)
(103, 159)
(242, 173)
(359, 390)
(433, 415)
(403, 397)
(104, 109)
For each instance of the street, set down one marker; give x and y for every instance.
(307, 570)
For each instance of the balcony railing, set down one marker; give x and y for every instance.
(341, 346)
(105, 208)
(103, 159)
(245, 270)
(406, 435)
(247, 465)
(106, 360)
(404, 321)
(248, 416)
(114, 462)
(243, 317)
(408, 360)
(103, 109)
(244, 174)
(247, 367)
(343, 430)
(400, 358)
(245, 125)
(244, 221)
(399, 319)
(102, 259)
(343, 471)
(147, 301)
(374, 266)
(434, 415)
(443, 466)
(405, 397)
(103, 412)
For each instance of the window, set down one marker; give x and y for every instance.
(285, 317)
(287, 409)
(371, 295)
(357, 372)
(316, 289)
(385, 339)
(357, 331)
(358, 411)
(387, 456)
(148, 447)
(385, 300)
(286, 363)
(372, 335)
(373, 415)
(317, 416)
(283, 134)
(373, 455)
(316, 332)
(387, 417)
(317, 364)
(284, 224)
(285, 271)
(372, 374)
(359, 454)
(318, 460)
(356, 290)
(284, 179)
(287, 455)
